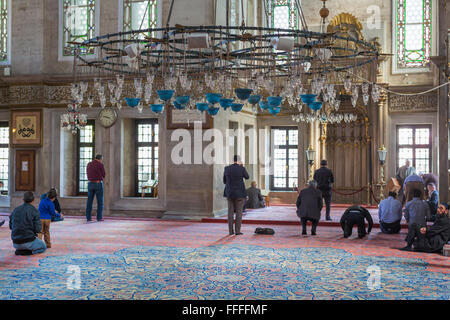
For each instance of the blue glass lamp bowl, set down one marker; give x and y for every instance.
(236, 107)
(316, 105)
(274, 110)
(182, 99)
(165, 95)
(274, 101)
(308, 98)
(213, 98)
(202, 106)
(243, 93)
(264, 105)
(178, 105)
(132, 102)
(213, 111)
(157, 107)
(225, 103)
(254, 99)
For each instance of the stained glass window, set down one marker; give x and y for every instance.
(140, 14)
(285, 158)
(413, 33)
(4, 30)
(4, 157)
(147, 153)
(284, 14)
(78, 24)
(86, 149)
(414, 144)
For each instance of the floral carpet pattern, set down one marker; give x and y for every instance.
(155, 259)
(224, 271)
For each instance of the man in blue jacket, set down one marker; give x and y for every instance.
(25, 224)
(235, 193)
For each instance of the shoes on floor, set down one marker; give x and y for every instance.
(2, 223)
(100, 220)
(48, 247)
(23, 252)
(239, 233)
(407, 248)
(329, 219)
(313, 233)
(304, 233)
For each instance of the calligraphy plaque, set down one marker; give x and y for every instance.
(185, 119)
(26, 128)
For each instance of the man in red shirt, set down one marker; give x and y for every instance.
(95, 174)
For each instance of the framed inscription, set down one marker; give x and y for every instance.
(26, 128)
(185, 119)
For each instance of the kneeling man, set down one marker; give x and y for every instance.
(25, 224)
(356, 215)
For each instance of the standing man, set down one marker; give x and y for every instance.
(325, 179)
(3, 221)
(309, 204)
(402, 173)
(235, 193)
(95, 174)
(25, 224)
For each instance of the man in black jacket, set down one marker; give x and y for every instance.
(430, 239)
(25, 224)
(309, 205)
(235, 193)
(325, 179)
(356, 215)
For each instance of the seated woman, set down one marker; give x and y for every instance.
(59, 216)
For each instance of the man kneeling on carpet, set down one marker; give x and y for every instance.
(25, 224)
(430, 239)
(356, 215)
(47, 211)
(309, 205)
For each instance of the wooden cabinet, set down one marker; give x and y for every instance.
(25, 170)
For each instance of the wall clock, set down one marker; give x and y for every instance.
(107, 117)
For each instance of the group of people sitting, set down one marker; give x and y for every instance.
(417, 212)
(30, 227)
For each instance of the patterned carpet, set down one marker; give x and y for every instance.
(130, 259)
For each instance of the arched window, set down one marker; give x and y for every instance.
(139, 14)
(413, 33)
(78, 20)
(284, 14)
(4, 30)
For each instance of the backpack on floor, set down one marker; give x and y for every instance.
(264, 231)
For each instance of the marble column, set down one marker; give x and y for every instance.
(443, 103)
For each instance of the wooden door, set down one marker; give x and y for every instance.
(25, 170)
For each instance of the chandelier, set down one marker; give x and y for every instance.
(208, 68)
(74, 120)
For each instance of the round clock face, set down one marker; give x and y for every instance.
(107, 117)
